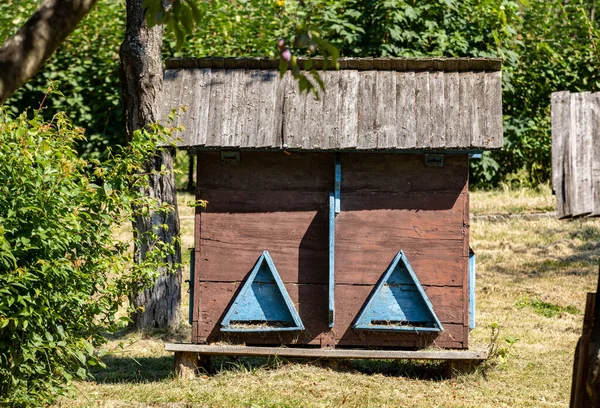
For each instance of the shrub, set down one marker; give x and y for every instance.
(63, 277)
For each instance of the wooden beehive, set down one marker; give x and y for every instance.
(338, 222)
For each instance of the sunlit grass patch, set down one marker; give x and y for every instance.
(545, 309)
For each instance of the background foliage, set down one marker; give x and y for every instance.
(547, 45)
(63, 277)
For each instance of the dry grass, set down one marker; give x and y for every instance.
(525, 268)
(513, 201)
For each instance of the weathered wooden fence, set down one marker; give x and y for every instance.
(576, 153)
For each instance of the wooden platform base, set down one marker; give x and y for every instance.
(189, 357)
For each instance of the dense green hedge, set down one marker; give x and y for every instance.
(547, 45)
(63, 276)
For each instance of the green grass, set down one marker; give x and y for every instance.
(532, 279)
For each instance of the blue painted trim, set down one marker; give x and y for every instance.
(296, 323)
(476, 155)
(472, 269)
(192, 278)
(332, 205)
(363, 322)
(338, 183)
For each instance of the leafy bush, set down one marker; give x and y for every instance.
(63, 276)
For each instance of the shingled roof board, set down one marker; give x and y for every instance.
(361, 109)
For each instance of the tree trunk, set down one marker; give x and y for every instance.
(141, 79)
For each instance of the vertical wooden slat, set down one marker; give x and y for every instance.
(332, 115)
(385, 101)
(478, 111)
(227, 111)
(452, 109)
(236, 104)
(466, 109)
(493, 109)
(423, 109)
(438, 119)
(293, 112)
(312, 133)
(367, 111)
(199, 104)
(561, 117)
(267, 135)
(595, 120)
(580, 145)
(250, 110)
(406, 136)
(348, 110)
(216, 114)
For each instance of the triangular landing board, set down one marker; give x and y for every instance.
(263, 304)
(398, 302)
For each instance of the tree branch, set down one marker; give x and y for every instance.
(23, 55)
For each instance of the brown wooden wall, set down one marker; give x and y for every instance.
(279, 202)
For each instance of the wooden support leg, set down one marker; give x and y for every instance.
(457, 367)
(186, 365)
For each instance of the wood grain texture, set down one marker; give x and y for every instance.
(228, 350)
(278, 202)
(452, 110)
(363, 110)
(493, 110)
(367, 110)
(422, 109)
(406, 134)
(561, 118)
(580, 148)
(595, 128)
(466, 108)
(478, 118)
(311, 303)
(437, 138)
(385, 117)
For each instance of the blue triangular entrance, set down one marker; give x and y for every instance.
(263, 304)
(398, 302)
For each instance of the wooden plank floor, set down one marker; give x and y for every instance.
(223, 350)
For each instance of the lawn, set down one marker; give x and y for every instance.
(533, 274)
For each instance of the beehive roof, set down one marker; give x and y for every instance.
(369, 104)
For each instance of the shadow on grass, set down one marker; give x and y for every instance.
(421, 370)
(133, 370)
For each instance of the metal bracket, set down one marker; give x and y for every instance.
(434, 160)
(230, 157)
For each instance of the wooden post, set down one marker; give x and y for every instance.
(579, 396)
(186, 365)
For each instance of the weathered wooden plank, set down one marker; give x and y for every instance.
(406, 136)
(199, 104)
(296, 240)
(217, 114)
(172, 92)
(561, 117)
(385, 107)
(228, 350)
(478, 121)
(348, 114)
(267, 171)
(452, 109)
(466, 109)
(437, 138)
(332, 115)
(404, 172)
(595, 130)
(229, 117)
(293, 113)
(493, 110)
(580, 148)
(266, 134)
(367, 110)
(249, 112)
(236, 104)
(311, 302)
(423, 109)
